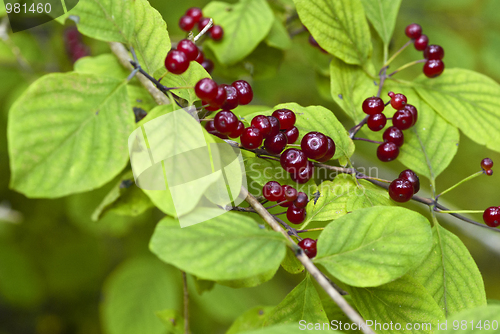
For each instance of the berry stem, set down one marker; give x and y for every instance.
(290, 230)
(204, 31)
(281, 213)
(275, 205)
(367, 140)
(459, 211)
(182, 87)
(365, 177)
(398, 52)
(186, 301)
(269, 158)
(459, 183)
(293, 145)
(356, 128)
(407, 65)
(311, 230)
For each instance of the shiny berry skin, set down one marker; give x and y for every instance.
(251, 138)
(410, 175)
(304, 174)
(203, 22)
(314, 145)
(295, 215)
(398, 101)
(309, 246)
(206, 89)
(186, 23)
(394, 135)
(209, 107)
(486, 163)
(402, 119)
(245, 93)
(200, 58)
(433, 68)
(302, 200)
(272, 191)
(231, 97)
(275, 144)
(195, 13)
(291, 194)
(413, 110)
(213, 131)
(489, 172)
(219, 99)
(216, 33)
(373, 105)
(292, 160)
(376, 122)
(275, 125)
(208, 65)
(283, 201)
(189, 48)
(286, 117)
(421, 42)
(262, 123)
(292, 135)
(491, 216)
(330, 152)
(391, 94)
(239, 130)
(226, 122)
(434, 52)
(413, 31)
(387, 152)
(176, 62)
(401, 190)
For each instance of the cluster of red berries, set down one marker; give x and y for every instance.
(309, 246)
(405, 117)
(434, 54)
(178, 59)
(405, 186)
(227, 97)
(486, 165)
(314, 43)
(287, 197)
(194, 16)
(75, 47)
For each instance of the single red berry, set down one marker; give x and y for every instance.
(411, 108)
(394, 135)
(275, 125)
(195, 13)
(401, 190)
(314, 144)
(486, 163)
(210, 127)
(376, 122)
(291, 194)
(309, 246)
(79, 51)
(209, 107)
(208, 65)
(189, 48)
(216, 33)
(421, 42)
(286, 117)
(272, 191)
(186, 23)
(413, 31)
(491, 216)
(226, 122)
(203, 22)
(219, 99)
(275, 144)
(387, 152)
(176, 62)
(251, 138)
(200, 58)
(391, 94)
(72, 37)
(239, 130)
(283, 201)
(206, 89)
(262, 123)
(373, 105)
(292, 134)
(402, 119)
(410, 175)
(304, 174)
(301, 201)
(231, 97)
(295, 215)
(330, 152)
(489, 172)
(433, 68)
(434, 52)
(245, 93)
(398, 101)
(292, 160)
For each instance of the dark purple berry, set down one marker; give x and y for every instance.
(394, 135)
(292, 160)
(434, 52)
(200, 58)
(225, 122)
(314, 145)
(413, 31)
(251, 138)
(295, 215)
(239, 130)
(286, 117)
(302, 200)
(433, 68)
(245, 93)
(411, 108)
(313, 41)
(402, 119)
(275, 125)
(219, 99)
(491, 216)
(231, 97)
(292, 135)
(283, 202)
(410, 175)
(213, 131)
(309, 246)
(376, 122)
(206, 89)
(387, 152)
(304, 174)
(275, 144)
(330, 152)
(208, 65)
(401, 190)
(421, 42)
(272, 191)
(262, 123)
(176, 62)
(373, 105)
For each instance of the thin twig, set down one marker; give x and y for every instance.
(367, 140)
(398, 52)
(186, 303)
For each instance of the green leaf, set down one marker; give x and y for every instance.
(339, 26)
(404, 301)
(373, 246)
(291, 264)
(134, 292)
(493, 302)
(382, 15)
(2, 9)
(278, 36)
(251, 281)
(468, 100)
(296, 328)
(450, 274)
(302, 303)
(477, 320)
(245, 23)
(68, 133)
(202, 285)
(228, 247)
(251, 319)
(334, 312)
(173, 321)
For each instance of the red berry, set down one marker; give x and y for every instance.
(72, 37)
(176, 62)
(195, 13)
(225, 122)
(433, 68)
(309, 246)
(373, 105)
(421, 42)
(275, 125)
(213, 131)
(398, 101)
(295, 215)
(275, 144)
(208, 65)
(203, 22)
(283, 201)
(411, 108)
(292, 135)
(401, 190)
(491, 216)
(314, 145)
(489, 172)
(292, 160)
(376, 122)
(402, 119)
(200, 58)
(291, 194)
(206, 89)
(434, 52)
(413, 31)
(391, 94)
(209, 107)
(262, 123)
(245, 93)
(231, 97)
(219, 99)
(272, 191)
(304, 174)
(387, 152)
(301, 201)
(251, 138)
(186, 23)
(486, 163)
(286, 117)
(239, 130)
(410, 175)
(189, 48)
(216, 33)
(394, 135)
(330, 152)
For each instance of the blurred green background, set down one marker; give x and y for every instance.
(60, 272)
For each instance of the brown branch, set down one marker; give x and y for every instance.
(186, 303)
